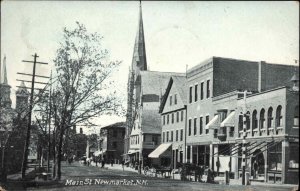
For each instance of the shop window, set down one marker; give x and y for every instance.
(275, 158)
(262, 119)
(296, 116)
(279, 116)
(294, 156)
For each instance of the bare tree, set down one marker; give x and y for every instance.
(83, 90)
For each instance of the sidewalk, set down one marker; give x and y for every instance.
(18, 175)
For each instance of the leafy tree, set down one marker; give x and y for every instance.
(83, 89)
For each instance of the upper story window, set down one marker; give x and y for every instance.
(202, 90)
(172, 117)
(167, 136)
(171, 99)
(201, 125)
(196, 92)
(163, 137)
(270, 117)
(248, 120)
(164, 119)
(279, 116)
(177, 116)
(208, 88)
(181, 134)
(241, 122)
(172, 136)
(206, 122)
(181, 115)
(190, 127)
(262, 119)
(191, 95)
(168, 118)
(254, 120)
(175, 99)
(176, 136)
(195, 126)
(296, 116)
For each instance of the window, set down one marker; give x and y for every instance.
(168, 118)
(171, 100)
(115, 133)
(167, 136)
(241, 122)
(275, 158)
(181, 115)
(254, 120)
(177, 116)
(208, 88)
(279, 116)
(202, 90)
(190, 127)
(115, 145)
(176, 135)
(248, 120)
(191, 96)
(172, 117)
(154, 139)
(206, 122)
(164, 120)
(171, 135)
(181, 134)
(195, 126)
(296, 116)
(175, 99)
(270, 117)
(231, 132)
(196, 92)
(201, 125)
(294, 155)
(262, 119)
(163, 137)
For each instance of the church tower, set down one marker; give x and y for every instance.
(22, 96)
(4, 87)
(139, 63)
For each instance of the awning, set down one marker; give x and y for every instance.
(132, 151)
(213, 123)
(229, 121)
(97, 153)
(159, 150)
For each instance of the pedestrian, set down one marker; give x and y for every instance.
(255, 167)
(112, 162)
(123, 163)
(88, 161)
(96, 161)
(218, 166)
(102, 163)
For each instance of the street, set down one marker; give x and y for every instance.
(78, 177)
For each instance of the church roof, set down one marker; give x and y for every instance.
(151, 122)
(3, 79)
(154, 82)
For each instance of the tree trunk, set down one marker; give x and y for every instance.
(59, 153)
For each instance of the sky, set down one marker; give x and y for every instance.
(176, 34)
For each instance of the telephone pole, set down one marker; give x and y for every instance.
(27, 140)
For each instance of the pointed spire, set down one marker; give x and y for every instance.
(22, 90)
(4, 72)
(139, 61)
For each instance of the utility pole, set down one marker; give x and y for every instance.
(244, 143)
(27, 140)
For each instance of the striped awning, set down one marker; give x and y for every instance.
(213, 123)
(229, 121)
(159, 150)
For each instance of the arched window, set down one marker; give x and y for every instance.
(262, 119)
(254, 120)
(296, 116)
(248, 120)
(270, 117)
(279, 116)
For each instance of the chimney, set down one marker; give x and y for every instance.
(261, 76)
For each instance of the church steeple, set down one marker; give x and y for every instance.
(139, 61)
(4, 72)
